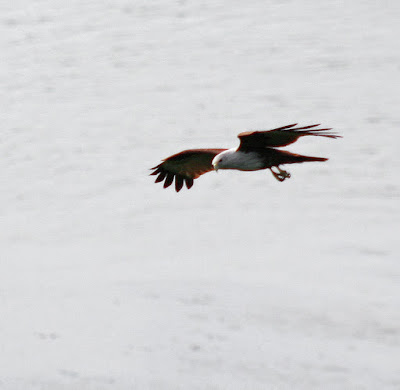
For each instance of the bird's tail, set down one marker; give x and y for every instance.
(285, 157)
(298, 158)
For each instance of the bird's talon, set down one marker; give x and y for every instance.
(284, 174)
(281, 175)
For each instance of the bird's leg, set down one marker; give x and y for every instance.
(281, 175)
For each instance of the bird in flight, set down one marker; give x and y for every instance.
(257, 150)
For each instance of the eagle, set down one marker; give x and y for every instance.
(256, 151)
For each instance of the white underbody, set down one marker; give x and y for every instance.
(234, 159)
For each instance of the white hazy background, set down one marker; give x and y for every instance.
(108, 281)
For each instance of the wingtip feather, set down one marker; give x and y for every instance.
(168, 180)
(189, 183)
(178, 183)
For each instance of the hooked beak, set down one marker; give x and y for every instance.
(215, 167)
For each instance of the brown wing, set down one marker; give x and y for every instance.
(185, 167)
(281, 136)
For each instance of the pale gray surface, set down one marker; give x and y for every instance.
(107, 281)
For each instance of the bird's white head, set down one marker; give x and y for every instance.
(222, 160)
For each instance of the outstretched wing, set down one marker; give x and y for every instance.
(185, 167)
(281, 136)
